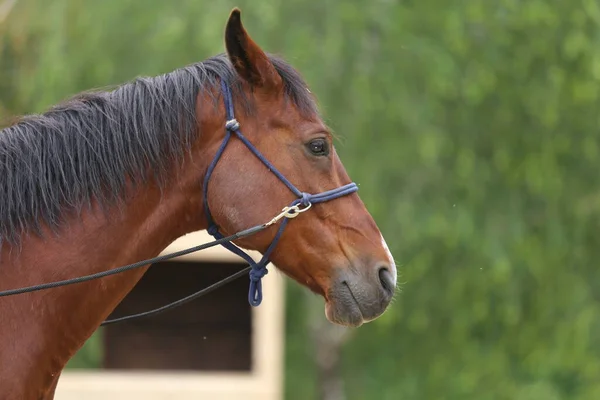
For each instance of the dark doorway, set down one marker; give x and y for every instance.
(212, 333)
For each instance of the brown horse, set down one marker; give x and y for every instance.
(110, 178)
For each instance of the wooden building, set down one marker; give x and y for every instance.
(215, 347)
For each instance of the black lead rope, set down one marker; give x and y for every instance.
(98, 275)
(180, 302)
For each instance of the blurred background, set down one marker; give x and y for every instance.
(473, 129)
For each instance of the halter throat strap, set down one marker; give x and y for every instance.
(302, 203)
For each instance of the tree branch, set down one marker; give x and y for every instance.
(328, 340)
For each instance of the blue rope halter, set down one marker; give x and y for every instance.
(306, 200)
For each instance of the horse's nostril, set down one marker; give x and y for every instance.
(387, 282)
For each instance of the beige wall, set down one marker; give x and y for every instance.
(265, 382)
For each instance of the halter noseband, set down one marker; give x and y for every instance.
(302, 203)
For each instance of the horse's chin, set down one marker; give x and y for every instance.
(348, 315)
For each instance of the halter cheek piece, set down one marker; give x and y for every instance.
(302, 203)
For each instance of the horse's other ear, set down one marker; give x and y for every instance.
(250, 62)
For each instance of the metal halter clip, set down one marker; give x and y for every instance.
(289, 212)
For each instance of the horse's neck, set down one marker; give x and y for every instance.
(40, 331)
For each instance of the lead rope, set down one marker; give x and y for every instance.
(285, 214)
(135, 265)
(98, 275)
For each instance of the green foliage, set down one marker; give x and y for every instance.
(473, 128)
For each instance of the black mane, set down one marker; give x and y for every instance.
(86, 148)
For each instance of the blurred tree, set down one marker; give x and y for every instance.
(328, 340)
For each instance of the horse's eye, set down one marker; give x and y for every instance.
(318, 147)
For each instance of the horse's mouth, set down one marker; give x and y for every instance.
(343, 308)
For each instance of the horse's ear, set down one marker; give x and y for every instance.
(250, 62)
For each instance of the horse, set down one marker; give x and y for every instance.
(110, 177)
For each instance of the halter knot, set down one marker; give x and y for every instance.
(232, 125)
(257, 272)
(305, 199)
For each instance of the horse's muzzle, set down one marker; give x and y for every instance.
(360, 294)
